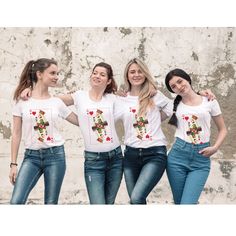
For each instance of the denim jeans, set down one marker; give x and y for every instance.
(103, 174)
(51, 163)
(187, 171)
(143, 168)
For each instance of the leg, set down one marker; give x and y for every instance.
(151, 172)
(27, 178)
(94, 173)
(196, 179)
(113, 179)
(55, 167)
(177, 172)
(131, 171)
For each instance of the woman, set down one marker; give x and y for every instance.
(145, 152)
(38, 117)
(103, 166)
(188, 163)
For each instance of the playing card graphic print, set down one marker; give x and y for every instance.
(99, 126)
(194, 122)
(97, 121)
(40, 120)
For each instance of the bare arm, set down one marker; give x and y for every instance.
(222, 132)
(67, 99)
(73, 119)
(163, 116)
(15, 144)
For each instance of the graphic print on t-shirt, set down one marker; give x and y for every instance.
(41, 126)
(139, 125)
(99, 126)
(194, 129)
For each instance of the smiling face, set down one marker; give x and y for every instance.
(135, 75)
(49, 76)
(99, 78)
(179, 85)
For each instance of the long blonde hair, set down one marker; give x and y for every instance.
(145, 99)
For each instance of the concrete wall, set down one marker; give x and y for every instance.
(208, 54)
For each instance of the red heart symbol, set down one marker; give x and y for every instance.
(147, 136)
(34, 113)
(108, 139)
(133, 110)
(48, 138)
(91, 113)
(186, 117)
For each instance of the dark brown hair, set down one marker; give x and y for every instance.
(180, 73)
(28, 76)
(112, 87)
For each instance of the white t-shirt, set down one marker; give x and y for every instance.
(40, 119)
(194, 122)
(96, 121)
(143, 132)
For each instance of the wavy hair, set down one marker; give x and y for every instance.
(145, 99)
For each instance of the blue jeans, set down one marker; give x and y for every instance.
(103, 174)
(51, 163)
(143, 168)
(187, 171)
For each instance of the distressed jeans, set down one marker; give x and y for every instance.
(143, 168)
(187, 171)
(103, 174)
(49, 162)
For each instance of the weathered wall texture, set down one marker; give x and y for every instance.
(208, 54)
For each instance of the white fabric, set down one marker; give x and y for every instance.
(143, 132)
(40, 119)
(194, 122)
(96, 121)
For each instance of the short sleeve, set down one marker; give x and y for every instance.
(64, 111)
(163, 103)
(215, 108)
(17, 110)
(118, 107)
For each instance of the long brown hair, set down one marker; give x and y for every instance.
(28, 76)
(145, 100)
(112, 87)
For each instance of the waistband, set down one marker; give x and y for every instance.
(183, 143)
(153, 148)
(102, 155)
(44, 150)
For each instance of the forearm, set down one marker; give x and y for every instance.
(67, 99)
(220, 138)
(15, 144)
(73, 119)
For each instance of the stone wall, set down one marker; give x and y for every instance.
(208, 54)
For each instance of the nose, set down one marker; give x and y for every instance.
(178, 86)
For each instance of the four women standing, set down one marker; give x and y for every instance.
(145, 155)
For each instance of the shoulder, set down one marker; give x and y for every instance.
(205, 101)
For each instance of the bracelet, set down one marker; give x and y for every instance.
(13, 164)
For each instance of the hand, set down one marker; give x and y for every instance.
(26, 94)
(121, 92)
(208, 93)
(72, 91)
(208, 151)
(13, 174)
(153, 92)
